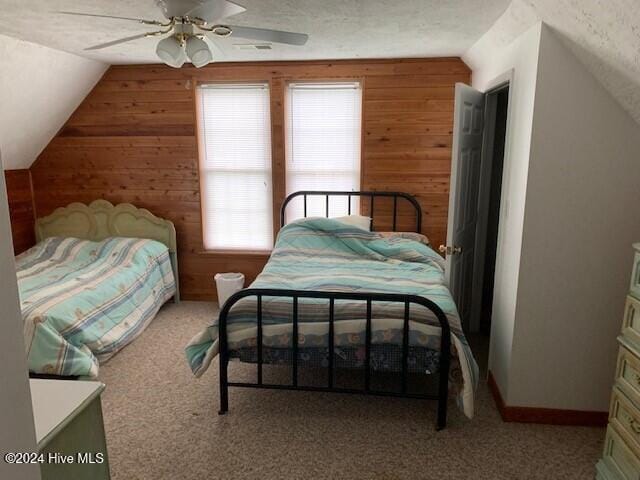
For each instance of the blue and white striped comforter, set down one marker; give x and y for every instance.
(327, 255)
(83, 301)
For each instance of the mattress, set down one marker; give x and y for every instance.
(327, 255)
(83, 301)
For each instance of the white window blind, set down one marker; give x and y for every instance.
(235, 166)
(323, 144)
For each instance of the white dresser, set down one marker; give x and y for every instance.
(621, 457)
(68, 422)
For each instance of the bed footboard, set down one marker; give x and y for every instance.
(369, 298)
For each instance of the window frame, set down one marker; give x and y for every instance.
(285, 122)
(200, 152)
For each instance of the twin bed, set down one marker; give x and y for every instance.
(96, 278)
(333, 298)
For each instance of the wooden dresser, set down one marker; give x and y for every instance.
(68, 422)
(621, 457)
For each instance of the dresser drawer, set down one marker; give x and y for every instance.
(635, 276)
(631, 321)
(628, 374)
(619, 458)
(626, 418)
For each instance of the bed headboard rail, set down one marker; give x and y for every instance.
(101, 219)
(371, 195)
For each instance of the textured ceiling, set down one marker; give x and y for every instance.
(337, 28)
(603, 34)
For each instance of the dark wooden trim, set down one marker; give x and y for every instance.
(339, 61)
(21, 208)
(550, 416)
(33, 200)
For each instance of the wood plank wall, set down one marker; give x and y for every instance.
(21, 209)
(133, 139)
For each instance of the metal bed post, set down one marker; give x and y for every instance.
(294, 341)
(259, 340)
(371, 211)
(444, 364)
(405, 347)
(331, 339)
(367, 348)
(395, 213)
(223, 358)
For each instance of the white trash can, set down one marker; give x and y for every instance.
(228, 284)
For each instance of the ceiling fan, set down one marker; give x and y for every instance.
(188, 23)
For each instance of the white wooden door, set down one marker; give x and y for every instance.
(468, 126)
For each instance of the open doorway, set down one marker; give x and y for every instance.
(479, 135)
(489, 197)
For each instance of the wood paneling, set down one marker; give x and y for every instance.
(133, 139)
(20, 197)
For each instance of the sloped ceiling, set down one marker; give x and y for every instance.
(336, 28)
(39, 89)
(603, 34)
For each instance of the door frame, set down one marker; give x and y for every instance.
(494, 86)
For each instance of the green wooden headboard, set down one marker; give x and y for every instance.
(101, 219)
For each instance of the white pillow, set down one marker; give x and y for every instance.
(356, 221)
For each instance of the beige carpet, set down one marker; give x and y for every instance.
(162, 423)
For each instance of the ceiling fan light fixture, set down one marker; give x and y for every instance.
(171, 51)
(188, 22)
(198, 52)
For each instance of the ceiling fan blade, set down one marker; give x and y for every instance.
(139, 20)
(216, 49)
(117, 42)
(207, 10)
(215, 10)
(265, 35)
(177, 8)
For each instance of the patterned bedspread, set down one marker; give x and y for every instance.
(327, 255)
(83, 301)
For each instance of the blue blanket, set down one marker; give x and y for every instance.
(83, 301)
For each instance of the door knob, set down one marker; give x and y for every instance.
(449, 250)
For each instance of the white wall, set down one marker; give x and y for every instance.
(580, 221)
(17, 432)
(39, 89)
(570, 183)
(489, 59)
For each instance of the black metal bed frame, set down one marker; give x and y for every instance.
(372, 196)
(368, 297)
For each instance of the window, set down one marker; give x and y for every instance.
(323, 144)
(235, 167)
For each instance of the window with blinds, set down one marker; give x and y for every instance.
(235, 166)
(323, 144)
